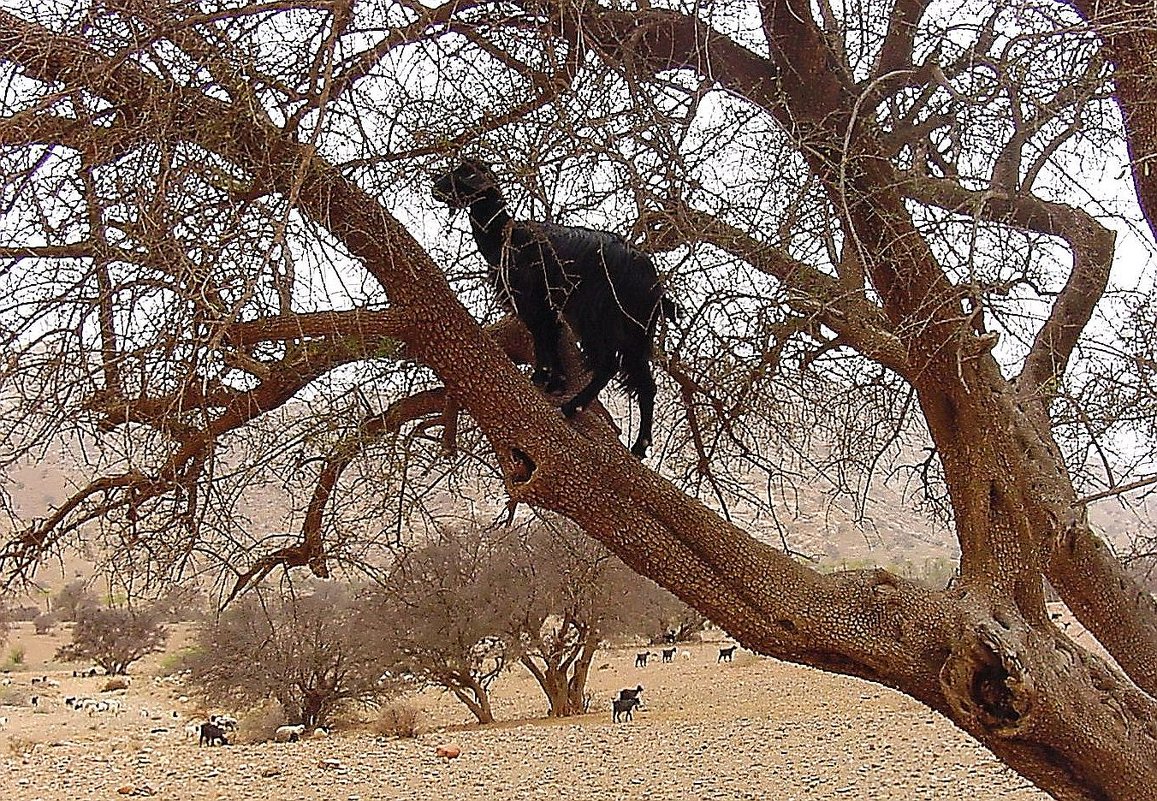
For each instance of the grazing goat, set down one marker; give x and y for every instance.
(641, 659)
(669, 654)
(725, 654)
(608, 292)
(623, 707)
(212, 734)
(289, 734)
(627, 693)
(227, 722)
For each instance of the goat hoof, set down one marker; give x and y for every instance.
(569, 410)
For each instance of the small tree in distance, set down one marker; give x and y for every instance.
(571, 593)
(306, 648)
(114, 638)
(73, 598)
(444, 615)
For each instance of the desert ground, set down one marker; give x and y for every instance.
(755, 728)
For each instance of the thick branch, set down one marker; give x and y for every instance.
(1091, 245)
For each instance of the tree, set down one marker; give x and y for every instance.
(887, 225)
(45, 622)
(305, 647)
(443, 616)
(568, 594)
(114, 638)
(72, 599)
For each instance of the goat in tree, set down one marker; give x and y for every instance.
(607, 291)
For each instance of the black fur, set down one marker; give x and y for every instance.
(622, 708)
(212, 734)
(608, 292)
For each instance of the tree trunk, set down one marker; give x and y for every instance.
(311, 708)
(470, 692)
(553, 681)
(576, 687)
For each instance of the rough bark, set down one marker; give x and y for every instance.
(1129, 31)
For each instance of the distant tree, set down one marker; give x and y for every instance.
(306, 648)
(180, 603)
(45, 622)
(114, 638)
(444, 615)
(5, 621)
(73, 597)
(571, 593)
(25, 613)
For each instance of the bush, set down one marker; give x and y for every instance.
(16, 655)
(260, 724)
(398, 720)
(114, 638)
(12, 696)
(44, 623)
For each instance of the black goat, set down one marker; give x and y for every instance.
(627, 693)
(212, 734)
(641, 658)
(623, 707)
(608, 292)
(725, 654)
(669, 654)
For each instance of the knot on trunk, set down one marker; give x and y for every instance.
(519, 466)
(986, 681)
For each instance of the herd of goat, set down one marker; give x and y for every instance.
(218, 728)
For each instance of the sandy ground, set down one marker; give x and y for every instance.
(752, 729)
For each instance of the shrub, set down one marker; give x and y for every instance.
(114, 638)
(259, 725)
(398, 720)
(307, 648)
(16, 655)
(21, 746)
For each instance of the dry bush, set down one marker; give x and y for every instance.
(13, 696)
(21, 746)
(398, 720)
(260, 724)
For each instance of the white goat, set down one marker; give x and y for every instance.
(289, 734)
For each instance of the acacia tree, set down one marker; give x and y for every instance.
(73, 598)
(897, 202)
(305, 647)
(567, 594)
(114, 638)
(442, 617)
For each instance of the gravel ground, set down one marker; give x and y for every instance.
(752, 729)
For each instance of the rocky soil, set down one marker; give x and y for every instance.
(752, 729)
